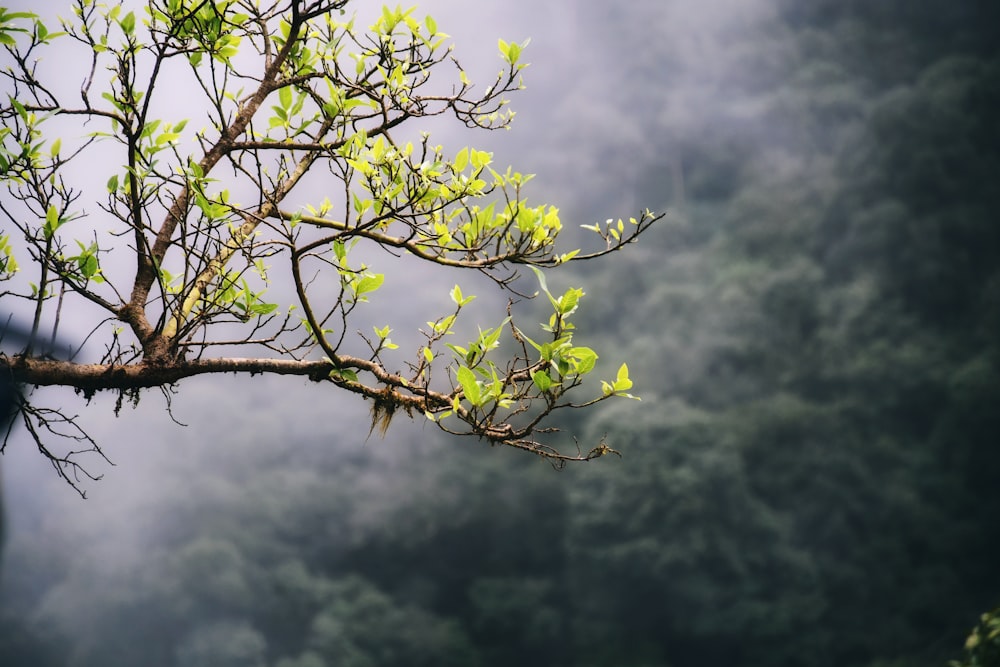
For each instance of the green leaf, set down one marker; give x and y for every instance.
(389, 18)
(461, 160)
(261, 308)
(344, 374)
(480, 158)
(339, 250)
(7, 17)
(542, 380)
(530, 342)
(567, 256)
(19, 108)
(585, 359)
(88, 265)
(545, 288)
(52, 222)
(490, 338)
(458, 298)
(368, 282)
(128, 23)
(8, 265)
(541, 278)
(150, 127)
(568, 301)
(622, 381)
(442, 326)
(470, 387)
(513, 53)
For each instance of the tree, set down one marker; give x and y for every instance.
(982, 647)
(177, 258)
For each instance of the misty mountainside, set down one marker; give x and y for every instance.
(812, 477)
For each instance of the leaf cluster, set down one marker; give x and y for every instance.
(206, 206)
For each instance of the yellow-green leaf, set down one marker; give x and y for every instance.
(470, 387)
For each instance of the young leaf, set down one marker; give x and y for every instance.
(442, 326)
(369, 282)
(585, 359)
(470, 387)
(52, 221)
(513, 52)
(461, 160)
(541, 282)
(622, 381)
(344, 374)
(568, 301)
(542, 380)
(458, 298)
(339, 250)
(128, 23)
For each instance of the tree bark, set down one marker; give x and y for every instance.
(143, 375)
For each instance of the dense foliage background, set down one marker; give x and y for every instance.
(812, 478)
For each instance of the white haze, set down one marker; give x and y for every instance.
(599, 94)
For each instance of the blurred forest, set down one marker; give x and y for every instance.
(812, 478)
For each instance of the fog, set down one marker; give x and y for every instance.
(571, 119)
(582, 124)
(809, 424)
